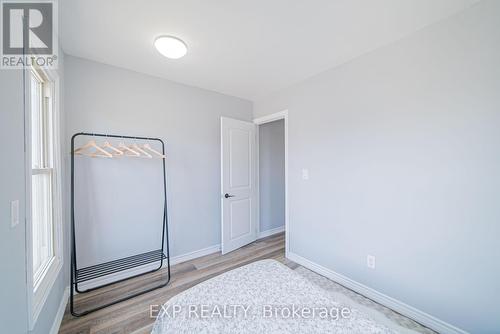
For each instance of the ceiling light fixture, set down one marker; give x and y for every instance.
(171, 47)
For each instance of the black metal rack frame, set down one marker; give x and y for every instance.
(111, 267)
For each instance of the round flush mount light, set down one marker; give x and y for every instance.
(171, 47)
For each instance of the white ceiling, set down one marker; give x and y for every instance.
(244, 48)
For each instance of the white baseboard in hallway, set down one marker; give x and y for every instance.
(423, 318)
(263, 234)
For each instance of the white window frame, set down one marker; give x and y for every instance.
(37, 295)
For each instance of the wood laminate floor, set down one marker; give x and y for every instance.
(133, 316)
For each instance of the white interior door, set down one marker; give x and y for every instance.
(239, 197)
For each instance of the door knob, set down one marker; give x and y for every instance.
(227, 195)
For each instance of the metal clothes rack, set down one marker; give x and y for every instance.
(79, 275)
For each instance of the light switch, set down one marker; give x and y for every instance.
(370, 261)
(305, 174)
(14, 213)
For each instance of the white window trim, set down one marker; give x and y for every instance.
(37, 296)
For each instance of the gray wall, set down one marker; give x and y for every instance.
(13, 307)
(272, 175)
(106, 99)
(402, 147)
(13, 302)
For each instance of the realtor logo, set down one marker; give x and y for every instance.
(28, 34)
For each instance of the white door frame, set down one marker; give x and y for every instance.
(262, 120)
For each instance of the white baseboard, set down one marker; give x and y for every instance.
(147, 267)
(196, 254)
(60, 312)
(263, 234)
(396, 305)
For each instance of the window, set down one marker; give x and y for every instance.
(45, 225)
(41, 179)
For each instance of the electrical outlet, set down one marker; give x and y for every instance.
(14, 213)
(305, 174)
(370, 261)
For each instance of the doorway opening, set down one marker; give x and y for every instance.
(272, 170)
(271, 176)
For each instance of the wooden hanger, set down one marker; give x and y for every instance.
(127, 151)
(99, 152)
(149, 148)
(145, 154)
(112, 148)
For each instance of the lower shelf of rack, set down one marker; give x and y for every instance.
(111, 267)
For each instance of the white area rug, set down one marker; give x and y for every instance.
(266, 297)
